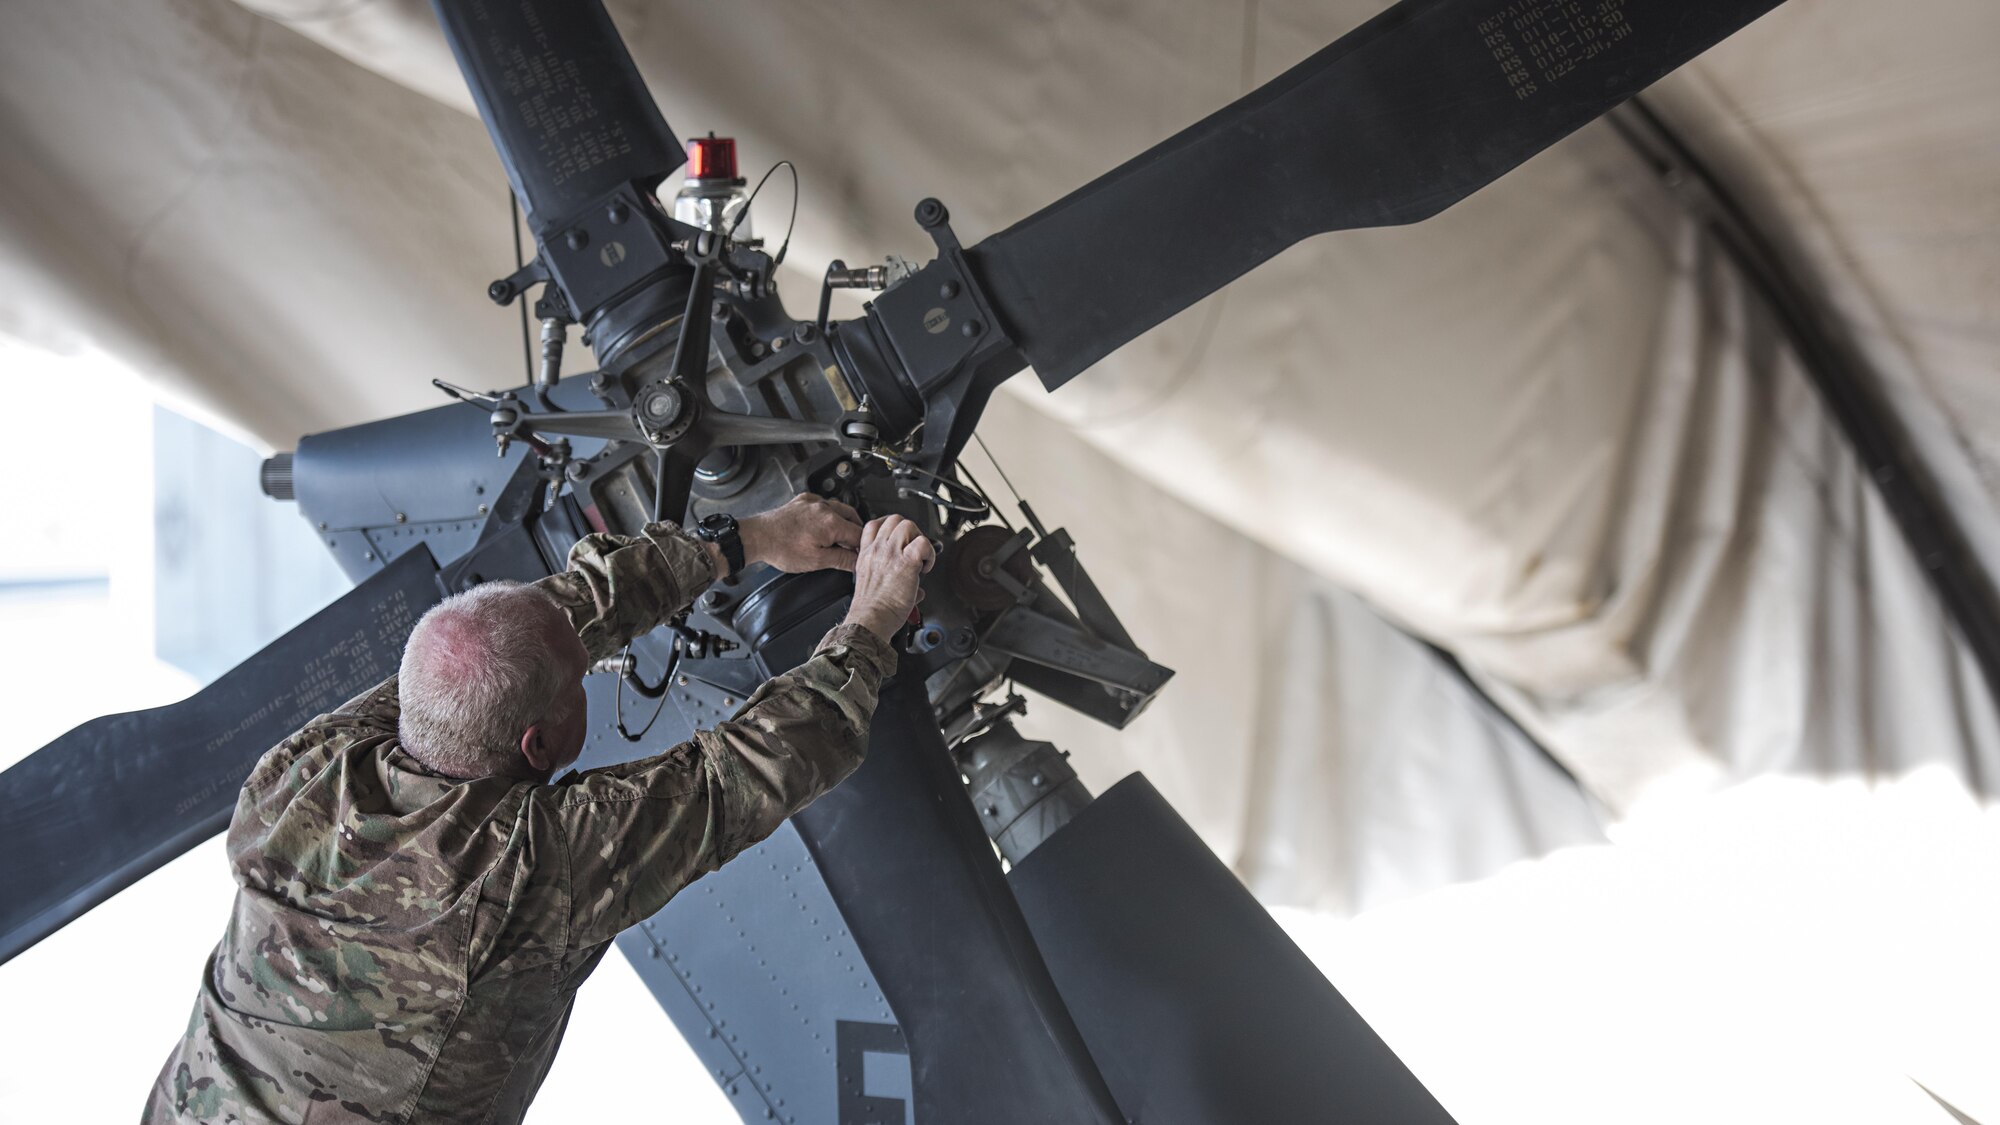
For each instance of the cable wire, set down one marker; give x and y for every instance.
(618, 692)
(779, 259)
(995, 462)
(984, 495)
(674, 659)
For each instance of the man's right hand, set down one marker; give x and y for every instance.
(894, 556)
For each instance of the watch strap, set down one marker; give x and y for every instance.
(722, 530)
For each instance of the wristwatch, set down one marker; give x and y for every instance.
(721, 530)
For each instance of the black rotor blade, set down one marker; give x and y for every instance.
(1399, 119)
(562, 100)
(903, 854)
(1197, 1005)
(113, 800)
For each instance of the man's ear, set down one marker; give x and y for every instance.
(535, 747)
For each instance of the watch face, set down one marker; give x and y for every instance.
(721, 529)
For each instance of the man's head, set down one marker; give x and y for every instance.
(492, 683)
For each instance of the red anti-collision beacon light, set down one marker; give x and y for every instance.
(712, 158)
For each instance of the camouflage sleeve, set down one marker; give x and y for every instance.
(637, 833)
(618, 587)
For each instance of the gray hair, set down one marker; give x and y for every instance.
(476, 673)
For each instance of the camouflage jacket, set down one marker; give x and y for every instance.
(405, 947)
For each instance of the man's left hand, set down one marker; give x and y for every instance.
(808, 533)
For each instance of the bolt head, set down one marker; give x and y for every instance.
(577, 239)
(948, 290)
(660, 403)
(962, 641)
(971, 328)
(616, 213)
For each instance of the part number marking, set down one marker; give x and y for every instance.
(1537, 42)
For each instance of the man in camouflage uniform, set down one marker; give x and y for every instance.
(409, 931)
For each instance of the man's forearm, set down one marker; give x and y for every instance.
(619, 587)
(798, 736)
(638, 831)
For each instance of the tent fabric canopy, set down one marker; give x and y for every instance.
(1550, 430)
